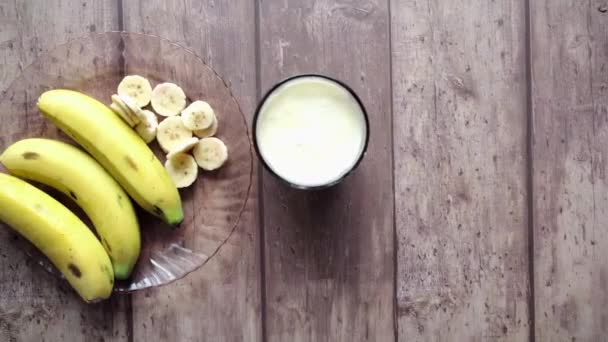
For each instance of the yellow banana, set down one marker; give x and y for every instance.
(117, 148)
(76, 174)
(60, 235)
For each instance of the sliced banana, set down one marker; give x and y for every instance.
(171, 133)
(207, 132)
(136, 87)
(129, 116)
(210, 153)
(168, 99)
(183, 169)
(116, 108)
(184, 147)
(146, 129)
(198, 115)
(132, 106)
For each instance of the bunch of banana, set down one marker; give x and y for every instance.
(116, 139)
(120, 160)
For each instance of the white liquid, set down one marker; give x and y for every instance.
(311, 131)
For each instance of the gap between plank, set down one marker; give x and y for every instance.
(530, 169)
(121, 25)
(128, 297)
(392, 112)
(260, 192)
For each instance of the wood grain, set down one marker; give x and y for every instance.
(222, 300)
(329, 254)
(459, 91)
(570, 104)
(459, 123)
(35, 306)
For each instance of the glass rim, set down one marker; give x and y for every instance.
(255, 139)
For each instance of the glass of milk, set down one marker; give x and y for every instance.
(310, 131)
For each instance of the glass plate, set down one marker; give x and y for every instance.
(95, 64)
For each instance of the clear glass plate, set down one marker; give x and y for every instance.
(95, 64)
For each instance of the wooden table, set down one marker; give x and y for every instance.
(479, 213)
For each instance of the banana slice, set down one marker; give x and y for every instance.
(198, 115)
(210, 153)
(207, 132)
(122, 114)
(132, 106)
(146, 129)
(168, 99)
(126, 114)
(136, 87)
(171, 133)
(183, 169)
(184, 147)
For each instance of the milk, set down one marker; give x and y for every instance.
(311, 131)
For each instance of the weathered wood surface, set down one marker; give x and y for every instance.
(332, 269)
(569, 49)
(459, 90)
(329, 254)
(35, 306)
(222, 300)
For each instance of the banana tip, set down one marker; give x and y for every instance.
(176, 220)
(122, 272)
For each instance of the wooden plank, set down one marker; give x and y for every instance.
(35, 306)
(329, 254)
(221, 301)
(570, 106)
(459, 90)
(27, 29)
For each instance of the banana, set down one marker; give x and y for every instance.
(168, 99)
(171, 133)
(183, 147)
(210, 153)
(60, 235)
(122, 114)
(198, 115)
(117, 148)
(136, 87)
(147, 127)
(182, 169)
(125, 113)
(76, 174)
(209, 131)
